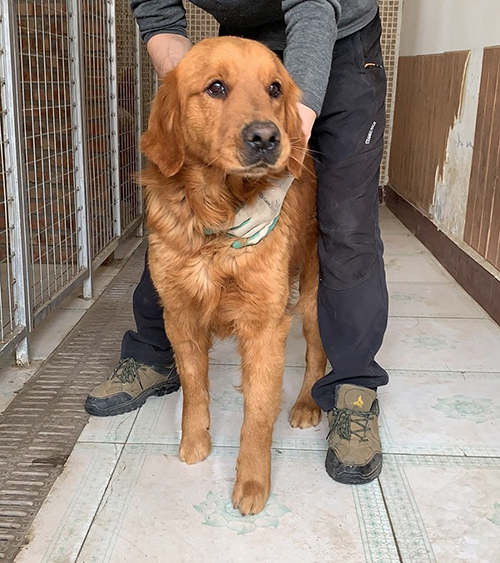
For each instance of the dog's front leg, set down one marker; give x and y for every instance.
(263, 359)
(191, 345)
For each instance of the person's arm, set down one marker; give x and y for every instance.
(311, 31)
(162, 24)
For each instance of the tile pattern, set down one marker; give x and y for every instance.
(436, 500)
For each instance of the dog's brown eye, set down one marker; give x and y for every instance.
(217, 89)
(275, 90)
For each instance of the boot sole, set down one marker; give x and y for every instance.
(159, 390)
(352, 474)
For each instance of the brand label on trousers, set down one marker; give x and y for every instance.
(370, 133)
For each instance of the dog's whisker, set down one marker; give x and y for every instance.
(303, 165)
(207, 164)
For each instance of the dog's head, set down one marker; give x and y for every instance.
(229, 104)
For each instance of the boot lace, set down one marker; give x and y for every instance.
(344, 419)
(126, 371)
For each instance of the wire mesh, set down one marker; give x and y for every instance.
(7, 309)
(96, 64)
(46, 108)
(390, 14)
(128, 115)
(51, 60)
(149, 82)
(200, 24)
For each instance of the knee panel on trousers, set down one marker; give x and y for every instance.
(349, 239)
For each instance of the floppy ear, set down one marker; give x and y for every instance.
(293, 126)
(163, 141)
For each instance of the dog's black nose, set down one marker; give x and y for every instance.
(262, 141)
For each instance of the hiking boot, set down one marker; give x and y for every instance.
(130, 384)
(354, 452)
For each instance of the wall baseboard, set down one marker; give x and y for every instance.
(476, 280)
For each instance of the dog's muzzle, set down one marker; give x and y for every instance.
(261, 143)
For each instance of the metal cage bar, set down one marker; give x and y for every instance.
(139, 124)
(113, 105)
(15, 294)
(80, 146)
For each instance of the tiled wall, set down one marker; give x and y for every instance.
(202, 25)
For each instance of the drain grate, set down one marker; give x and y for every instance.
(39, 429)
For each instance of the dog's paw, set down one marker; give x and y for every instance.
(249, 496)
(193, 450)
(304, 415)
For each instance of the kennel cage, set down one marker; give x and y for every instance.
(75, 87)
(76, 84)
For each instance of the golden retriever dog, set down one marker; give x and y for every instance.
(223, 126)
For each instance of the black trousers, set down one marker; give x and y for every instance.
(347, 143)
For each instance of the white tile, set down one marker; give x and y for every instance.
(390, 224)
(156, 505)
(412, 299)
(414, 268)
(61, 525)
(441, 413)
(225, 352)
(441, 344)
(400, 244)
(159, 420)
(108, 429)
(444, 509)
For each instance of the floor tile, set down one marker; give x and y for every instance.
(155, 501)
(444, 509)
(124, 496)
(109, 429)
(389, 223)
(159, 421)
(412, 299)
(441, 413)
(441, 344)
(401, 244)
(225, 351)
(414, 268)
(61, 525)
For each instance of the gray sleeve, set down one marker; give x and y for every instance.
(159, 16)
(311, 32)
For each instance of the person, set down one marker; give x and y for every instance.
(331, 48)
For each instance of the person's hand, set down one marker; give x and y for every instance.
(166, 50)
(253, 222)
(308, 117)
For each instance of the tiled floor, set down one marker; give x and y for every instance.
(125, 497)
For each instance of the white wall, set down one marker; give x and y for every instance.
(437, 26)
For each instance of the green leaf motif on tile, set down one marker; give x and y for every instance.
(229, 401)
(434, 343)
(496, 517)
(468, 408)
(219, 513)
